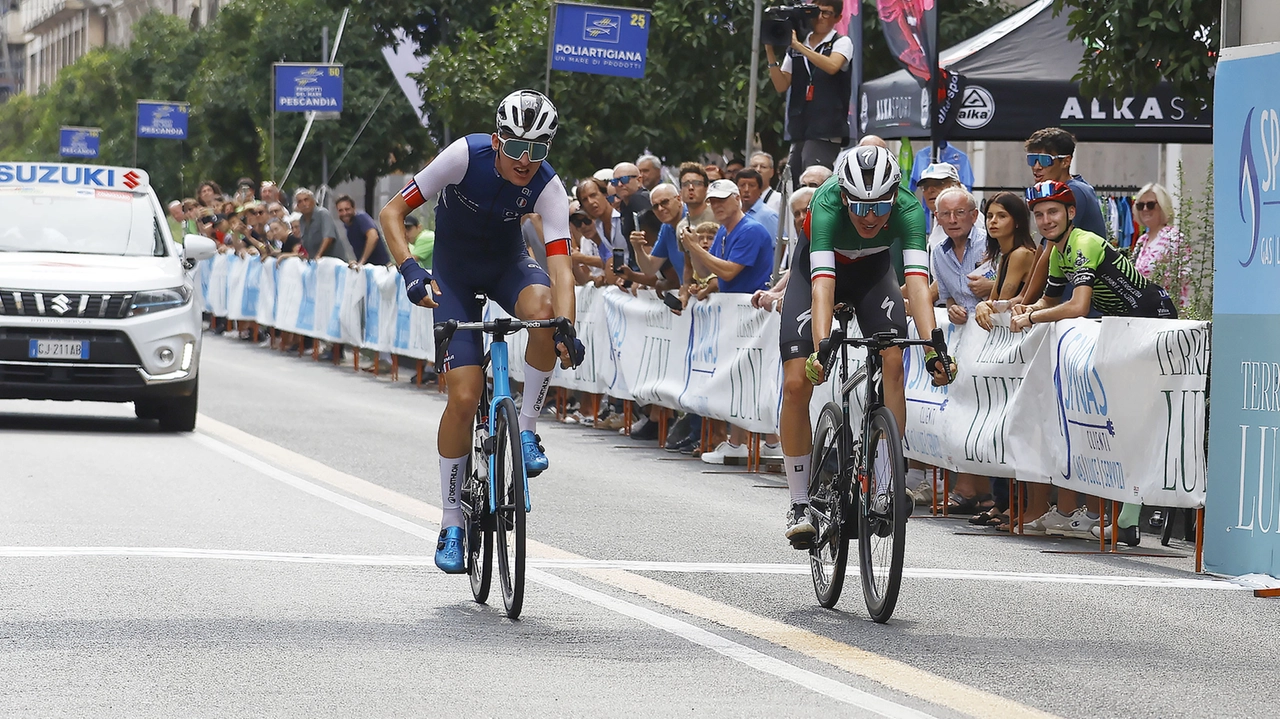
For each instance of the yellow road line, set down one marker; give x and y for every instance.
(891, 673)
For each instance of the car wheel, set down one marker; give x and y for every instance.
(179, 415)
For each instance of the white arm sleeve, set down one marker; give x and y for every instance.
(553, 206)
(449, 167)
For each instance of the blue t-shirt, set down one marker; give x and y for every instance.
(668, 248)
(748, 245)
(765, 215)
(1088, 211)
(356, 231)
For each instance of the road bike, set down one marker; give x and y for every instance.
(874, 509)
(495, 494)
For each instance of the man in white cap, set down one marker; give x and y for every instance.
(933, 180)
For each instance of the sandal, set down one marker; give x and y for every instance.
(957, 504)
(991, 518)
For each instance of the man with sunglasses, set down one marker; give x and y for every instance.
(632, 200)
(486, 184)
(856, 217)
(1049, 155)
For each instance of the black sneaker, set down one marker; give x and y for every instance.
(692, 448)
(800, 530)
(682, 443)
(1129, 535)
(648, 432)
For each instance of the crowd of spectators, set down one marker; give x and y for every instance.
(690, 230)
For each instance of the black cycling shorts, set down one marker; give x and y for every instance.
(869, 285)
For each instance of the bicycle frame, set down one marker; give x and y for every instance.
(499, 363)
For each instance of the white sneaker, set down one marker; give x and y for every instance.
(1082, 525)
(725, 451)
(1057, 525)
(771, 451)
(1037, 525)
(636, 426)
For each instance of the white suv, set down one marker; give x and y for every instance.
(95, 295)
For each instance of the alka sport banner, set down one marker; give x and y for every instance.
(1242, 516)
(307, 87)
(79, 141)
(600, 40)
(163, 120)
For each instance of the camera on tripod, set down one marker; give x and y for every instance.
(781, 20)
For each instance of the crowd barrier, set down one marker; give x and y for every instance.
(1113, 408)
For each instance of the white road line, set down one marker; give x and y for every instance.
(739, 652)
(726, 647)
(396, 560)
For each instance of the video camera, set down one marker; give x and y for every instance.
(781, 20)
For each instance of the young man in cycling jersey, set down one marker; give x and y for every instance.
(486, 183)
(855, 218)
(1102, 279)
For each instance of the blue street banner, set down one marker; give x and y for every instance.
(1242, 510)
(79, 141)
(163, 120)
(308, 88)
(601, 40)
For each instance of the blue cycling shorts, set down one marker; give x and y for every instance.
(463, 275)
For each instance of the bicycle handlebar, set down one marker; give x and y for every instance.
(880, 341)
(507, 325)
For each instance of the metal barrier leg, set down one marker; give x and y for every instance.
(418, 381)
(662, 426)
(1200, 540)
(395, 367)
(335, 354)
(626, 417)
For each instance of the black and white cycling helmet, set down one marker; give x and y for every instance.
(868, 173)
(527, 115)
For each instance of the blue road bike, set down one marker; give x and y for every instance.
(495, 495)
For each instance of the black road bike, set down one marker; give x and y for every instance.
(858, 484)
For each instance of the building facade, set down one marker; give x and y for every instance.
(40, 37)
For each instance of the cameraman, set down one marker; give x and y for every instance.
(817, 74)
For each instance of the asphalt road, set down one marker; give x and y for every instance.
(277, 562)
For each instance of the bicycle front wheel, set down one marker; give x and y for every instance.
(828, 490)
(508, 481)
(882, 518)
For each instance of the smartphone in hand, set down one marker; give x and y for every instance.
(618, 258)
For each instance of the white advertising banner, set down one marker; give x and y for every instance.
(1114, 409)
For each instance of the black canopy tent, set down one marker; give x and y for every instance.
(1017, 79)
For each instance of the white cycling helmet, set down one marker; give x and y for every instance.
(868, 173)
(527, 115)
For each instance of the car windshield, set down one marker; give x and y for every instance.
(79, 221)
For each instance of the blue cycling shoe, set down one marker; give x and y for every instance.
(449, 554)
(535, 462)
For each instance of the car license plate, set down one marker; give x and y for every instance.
(59, 349)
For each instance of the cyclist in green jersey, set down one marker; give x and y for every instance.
(1100, 276)
(856, 216)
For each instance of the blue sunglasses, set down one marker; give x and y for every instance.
(879, 209)
(1042, 159)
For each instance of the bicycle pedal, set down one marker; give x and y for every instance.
(489, 445)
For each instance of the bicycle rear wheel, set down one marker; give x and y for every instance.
(508, 482)
(828, 490)
(882, 518)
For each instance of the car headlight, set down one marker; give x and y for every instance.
(160, 300)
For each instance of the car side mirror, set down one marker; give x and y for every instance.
(198, 247)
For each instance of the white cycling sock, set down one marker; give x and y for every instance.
(798, 478)
(536, 384)
(452, 474)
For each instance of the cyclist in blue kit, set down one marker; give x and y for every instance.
(486, 183)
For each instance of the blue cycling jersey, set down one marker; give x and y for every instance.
(481, 209)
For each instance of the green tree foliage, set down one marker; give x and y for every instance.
(224, 71)
(692, 100)
(1137, 43)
